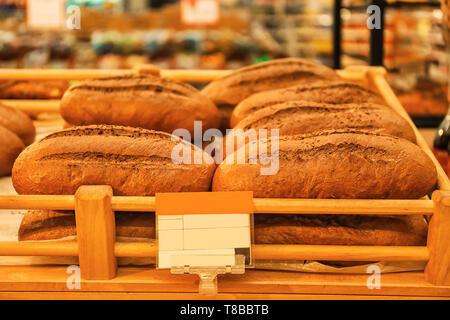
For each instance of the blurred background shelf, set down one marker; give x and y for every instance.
(124, 33)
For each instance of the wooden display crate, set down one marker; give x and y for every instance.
(97, 251)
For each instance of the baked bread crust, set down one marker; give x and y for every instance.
(300, 117)
(340, 230)
(228, 91)
(10, 147)
(17, 122)
(132, 161)
(352, 164)
(147, 102)
(323, 91)
(279, 73)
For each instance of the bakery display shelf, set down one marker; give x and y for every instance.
(36, 106)
(103, 279)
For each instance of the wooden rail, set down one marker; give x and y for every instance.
(85, 74)
(33, 106)
(261, 205)
(187, 75)
(260, 251)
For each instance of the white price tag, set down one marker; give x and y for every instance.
(45, 14)
(202, 240)
(203, 229)
(200, 12)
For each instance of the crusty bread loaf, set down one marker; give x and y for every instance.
(331, 164)
(25, 89)
(10, 148)
(52, 225)
(138, 101)
(279, 73)
(300, 117)
(132, 161)
(340, 230)
(17, 122)
(268, 228)
(324, 91)
(228, 91)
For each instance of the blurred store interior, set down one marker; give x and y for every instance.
(233, 33)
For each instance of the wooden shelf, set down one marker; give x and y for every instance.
(146, 282)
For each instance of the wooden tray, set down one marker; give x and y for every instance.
(97, 251)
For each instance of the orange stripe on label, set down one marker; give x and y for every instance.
(204, 203)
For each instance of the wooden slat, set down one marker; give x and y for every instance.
(58, 74)
(84, 74)
(194, 75)
(96, 232)
(51, 202)
(292, 206)
(193, 296)
(350, 74)
(76, 295)
(438, 242)
(33, 106)
(144, 279)
(260, 251)
(139, 204)
(343, 206)
(340, 253)
(182, 75)
(39, 248)
(70, 248)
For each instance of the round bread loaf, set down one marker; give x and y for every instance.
(228, 91)
(17, 122)
(132, 161)
(10, 147)
(143, 101)
(329, 164)
(301, 117)
(324, 91)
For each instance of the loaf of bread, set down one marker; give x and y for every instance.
(330, 164)
(17, 122)
(300, 117)
(143, 101)
(24, 89)
(228, 91)
(340, 230)
(52, 225)
(324, 91)
(10, 148)
(268, 228)
(132, 161)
